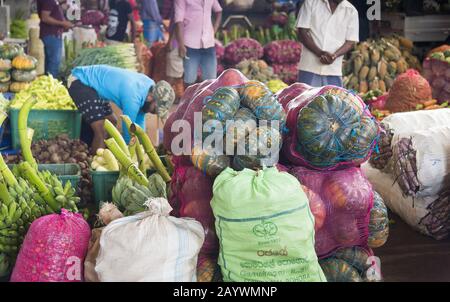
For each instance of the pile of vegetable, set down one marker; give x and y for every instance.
(375, 64)
(17, 70)
(408, 90)
(26, 193)
(122, 55)
(50, 94)
(262, 35)
(257, 70)
(436, 69)
(283, 51)
(241, 49)
(18, 28)
(276, 85)
(104, 160)
(63, 150)
(286, 72)
(133, 188)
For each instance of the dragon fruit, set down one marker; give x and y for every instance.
(286, 72)
(241, 49)
(283, 52)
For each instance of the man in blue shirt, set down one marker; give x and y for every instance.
(93, 87)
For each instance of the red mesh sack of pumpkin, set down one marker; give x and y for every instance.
(409, 90)
(330, 128)
(341, 202)
(289, 93)
(177, 115)
(191, 196)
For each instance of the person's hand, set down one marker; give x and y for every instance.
(67, 25)
(182, 51)
(327, 58)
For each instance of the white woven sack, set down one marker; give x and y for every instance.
(410, 209)
(150, 247)
(432, 148)
(417, 120)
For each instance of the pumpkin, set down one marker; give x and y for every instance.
(206, 270)
(317, 207)
(379, 223)
(5, 65)
(345, 229)
(24, 62)
(257, 97)
(337, 270)
(327, 129)
(221, 106)
(209, 162)
(4, 87)
(24, 76)
(348, 190)
(355, 256)
(252, 91)
(5, 77)
(245, 122)
(16, 87)
(259, 145)
(10, 51)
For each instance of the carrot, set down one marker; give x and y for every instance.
(429, 103)
(433, 107)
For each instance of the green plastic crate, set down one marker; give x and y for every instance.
(103, 182)
(65, 172)
(47, 124)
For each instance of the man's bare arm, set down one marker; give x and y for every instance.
(180, 39)
(306, 39)
(218, 21)
(47, 19)
(348, 46)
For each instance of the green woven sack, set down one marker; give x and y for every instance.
(265, 227)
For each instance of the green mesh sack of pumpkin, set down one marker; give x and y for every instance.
(330, 129)
(257, 97)
(260, 150)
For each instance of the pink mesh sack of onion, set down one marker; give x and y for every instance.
(53, 250)
(341, 202)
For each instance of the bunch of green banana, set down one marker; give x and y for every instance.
(64, 195)
(130, 196)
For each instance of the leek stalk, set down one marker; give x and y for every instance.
(25, 142)
(131, 168)
(115, 134)
(150, 150)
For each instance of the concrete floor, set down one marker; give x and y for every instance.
(411, 257)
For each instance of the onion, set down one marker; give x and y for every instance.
(108, 213)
